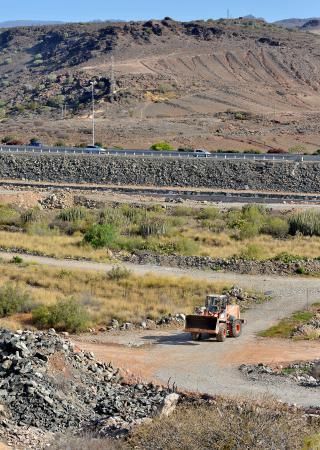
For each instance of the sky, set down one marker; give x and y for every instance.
(86, 10)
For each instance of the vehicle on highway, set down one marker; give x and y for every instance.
(199, 153)
(218, 317)
(35, 144)
(94, 149)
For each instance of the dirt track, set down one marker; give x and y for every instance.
(209, 366)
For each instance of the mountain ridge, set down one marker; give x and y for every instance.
(215, 84)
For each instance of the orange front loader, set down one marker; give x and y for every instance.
(217, 318)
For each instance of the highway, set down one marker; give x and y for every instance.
(159, 154)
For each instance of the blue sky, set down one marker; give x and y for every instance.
(86, 10)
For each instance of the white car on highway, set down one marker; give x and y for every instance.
(199, 153)
(94, 149)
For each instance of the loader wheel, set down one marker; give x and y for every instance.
(222, 335)
(236, 328)
(195, 336)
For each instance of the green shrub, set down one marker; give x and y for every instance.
(14, 299)
(16, 260)
(184, 211)
(112, 216)
(252, 252)
(65, 315)
(72, 214)
(31, 216)
(248, 230)
(248, 221)
(99, 236)
(161, 146)
(131, 244)
(132, 213)
(209, 213)
(153, 227)
(118, 273)
(276, 227)
(240, 116)
(254, 213)
(306, 223)
(301, 270)
(288, 258)
(8, 216)
(186, 247)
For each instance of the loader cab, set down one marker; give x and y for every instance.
(216, 303)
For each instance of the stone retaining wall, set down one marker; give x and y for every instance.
(269, 267)
(221, 174)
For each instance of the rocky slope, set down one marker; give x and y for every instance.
(243, 82)
(49, 386)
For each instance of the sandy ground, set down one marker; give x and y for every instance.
(28, 194)
(208, 366)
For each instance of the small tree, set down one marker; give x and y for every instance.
(161, 146)
(100, 236)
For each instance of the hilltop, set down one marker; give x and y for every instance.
(296, 23)
(240, 83)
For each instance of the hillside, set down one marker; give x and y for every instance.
(230, 83)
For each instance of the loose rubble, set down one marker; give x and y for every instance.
(311, 328)
(48, 384)
(234, 264)
(56, 200)
(305, 374)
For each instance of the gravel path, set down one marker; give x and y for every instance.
(209, 366)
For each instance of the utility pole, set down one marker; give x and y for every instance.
(93, 113)
(228, 13)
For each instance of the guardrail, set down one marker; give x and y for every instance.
(159, 154)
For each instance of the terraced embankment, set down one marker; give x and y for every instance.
(296, 176)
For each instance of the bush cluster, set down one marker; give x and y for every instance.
(67, 314)
(14, 299)
(134, 228)
(306, 223)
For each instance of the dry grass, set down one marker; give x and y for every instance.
(221, 245)
(216, 245)
(130, 299)
(56, 246)
(226, 425)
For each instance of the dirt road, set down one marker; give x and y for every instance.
(209, 366)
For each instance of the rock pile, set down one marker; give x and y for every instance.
(311, 328)
(304, 373)
(237, 265)
(46, 383)
(57, 200)
(175, 320)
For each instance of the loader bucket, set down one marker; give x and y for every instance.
(201, 324)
